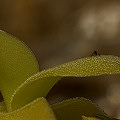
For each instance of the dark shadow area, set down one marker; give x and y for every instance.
(101, 90)
(1, 97)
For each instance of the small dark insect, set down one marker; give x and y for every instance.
(95, 53)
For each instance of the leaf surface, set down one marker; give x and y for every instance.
(74, 109)
(40, 84)
(17, 63)
(38, 109)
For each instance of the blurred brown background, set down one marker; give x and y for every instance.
(59, 31)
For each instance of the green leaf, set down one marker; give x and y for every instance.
(90, 118)
(17, 63)
(74, 109)
(40, 84)
(39, 109)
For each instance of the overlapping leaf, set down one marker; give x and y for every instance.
(39, 109)
(75, 109)
(40, 84)
(17, 63)
(19, 86)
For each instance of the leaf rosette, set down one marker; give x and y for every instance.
(24, 88)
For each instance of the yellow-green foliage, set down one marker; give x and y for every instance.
(37, 110)
(89, 118)
(41, 83)
(17, 63)
(21, 83)
(74, 109)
